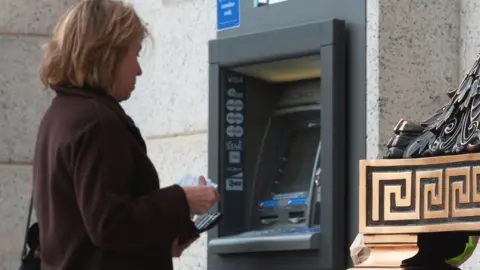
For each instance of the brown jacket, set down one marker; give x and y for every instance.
(97, 195)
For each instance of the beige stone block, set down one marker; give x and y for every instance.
(15, 191)
(470, 34)
(31, 16)
(172, 94)
(22, 100)
(174, 157)
(412, 60)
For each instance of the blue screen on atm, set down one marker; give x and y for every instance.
(290, 202)
(297, 201)
(269, 203)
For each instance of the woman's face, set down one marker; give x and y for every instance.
(127, 72)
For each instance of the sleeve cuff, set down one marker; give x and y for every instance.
(187, 229)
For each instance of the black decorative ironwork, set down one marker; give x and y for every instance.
(453, 129)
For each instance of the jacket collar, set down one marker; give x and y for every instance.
(108, 100)
(97, 94)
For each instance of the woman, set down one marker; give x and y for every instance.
(97, 195)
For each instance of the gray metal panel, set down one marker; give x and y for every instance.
(356, 93)
(289, 242)
(333, 177)
(295, 12)
(213, 130)
(353, 12)
(273, 45)
(333, 252)
(290, 260)
(285, 14)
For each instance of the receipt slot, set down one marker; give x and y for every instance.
(276, 146)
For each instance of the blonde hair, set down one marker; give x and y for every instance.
(88, 43)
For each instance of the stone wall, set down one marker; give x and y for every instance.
(24, 27)
(412, 60)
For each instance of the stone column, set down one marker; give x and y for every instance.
(412, 60)
(469, 34)
(24, 26)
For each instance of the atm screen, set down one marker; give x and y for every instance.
(295, 172)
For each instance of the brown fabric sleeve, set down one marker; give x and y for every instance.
(103, 173)
(188, 233)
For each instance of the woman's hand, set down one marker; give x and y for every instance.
(201, 198)
(177, 249)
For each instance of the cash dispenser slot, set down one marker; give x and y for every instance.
(296, 217)
(269, 219)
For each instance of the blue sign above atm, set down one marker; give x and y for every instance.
(228, 14)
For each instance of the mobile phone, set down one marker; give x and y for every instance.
(207, 222)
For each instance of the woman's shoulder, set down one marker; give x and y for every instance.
(72, 116)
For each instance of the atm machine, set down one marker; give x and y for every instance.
(277, 148)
